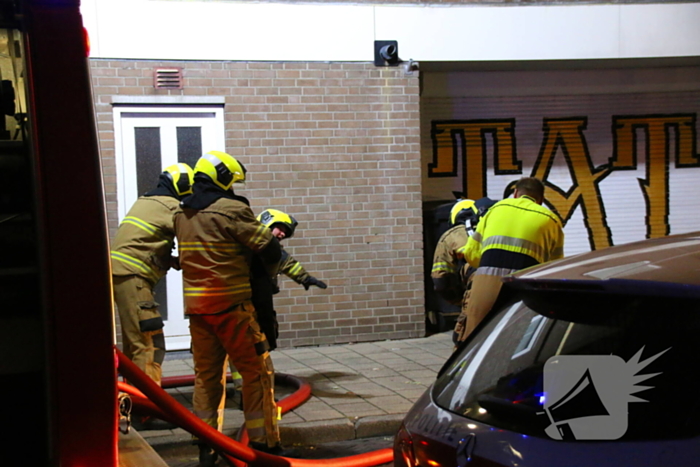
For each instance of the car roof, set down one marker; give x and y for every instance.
(674, 259)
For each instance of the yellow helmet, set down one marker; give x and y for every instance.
(270, 217)
(223, 169)
(182, 177)
(462, 211)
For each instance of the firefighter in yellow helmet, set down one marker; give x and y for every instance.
(218, 236)
(445, 273)
(514, 234)
(282, 226)
(448, 273)
(465, 214)
(141, 256)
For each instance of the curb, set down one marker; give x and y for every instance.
(326, 431)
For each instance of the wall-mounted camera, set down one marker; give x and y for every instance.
(386, 53)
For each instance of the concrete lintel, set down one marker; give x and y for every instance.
(169, 100)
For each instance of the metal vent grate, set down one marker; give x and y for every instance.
(167, 78)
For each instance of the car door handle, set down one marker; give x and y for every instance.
(465, 450)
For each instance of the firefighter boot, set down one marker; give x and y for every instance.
(207, 456)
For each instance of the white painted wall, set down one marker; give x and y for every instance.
(211, 30)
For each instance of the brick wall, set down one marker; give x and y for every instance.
(337, 146)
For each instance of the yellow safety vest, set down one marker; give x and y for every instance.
(514, 234)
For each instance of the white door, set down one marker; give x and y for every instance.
(148, 139)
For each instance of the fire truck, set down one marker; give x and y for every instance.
(57, 363)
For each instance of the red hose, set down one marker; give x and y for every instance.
(129, 389)
(163, 405)
(191, 423)
(292, 401)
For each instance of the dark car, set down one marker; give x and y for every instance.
(587, 361)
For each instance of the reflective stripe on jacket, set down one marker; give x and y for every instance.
(144, 241)
(514, 234)
(292, 268)
(444, 259)
(215, 246)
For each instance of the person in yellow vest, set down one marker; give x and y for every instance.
(218, 235)
(141, 255)
(514, 234)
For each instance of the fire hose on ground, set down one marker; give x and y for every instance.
(152, 399)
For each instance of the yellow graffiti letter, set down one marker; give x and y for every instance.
(567, 134)
(472, 134)
(657, 135)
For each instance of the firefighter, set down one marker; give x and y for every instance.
(451, 274)
(481, 206)
(447, 270)
(218, 235)
(141, 256)
(514, 234)
(282, 226)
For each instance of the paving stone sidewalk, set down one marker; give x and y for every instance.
(358, 390)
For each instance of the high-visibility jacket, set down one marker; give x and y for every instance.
(515, 234)
(215, 247)
(144, 240)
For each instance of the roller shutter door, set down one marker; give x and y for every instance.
(617, 147)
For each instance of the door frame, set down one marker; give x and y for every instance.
(122, 111)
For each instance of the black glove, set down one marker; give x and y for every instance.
(311, 280)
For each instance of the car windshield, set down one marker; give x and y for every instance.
(633, 368)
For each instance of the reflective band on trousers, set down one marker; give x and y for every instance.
(213, 418)
(255, 424)
(124, 258)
